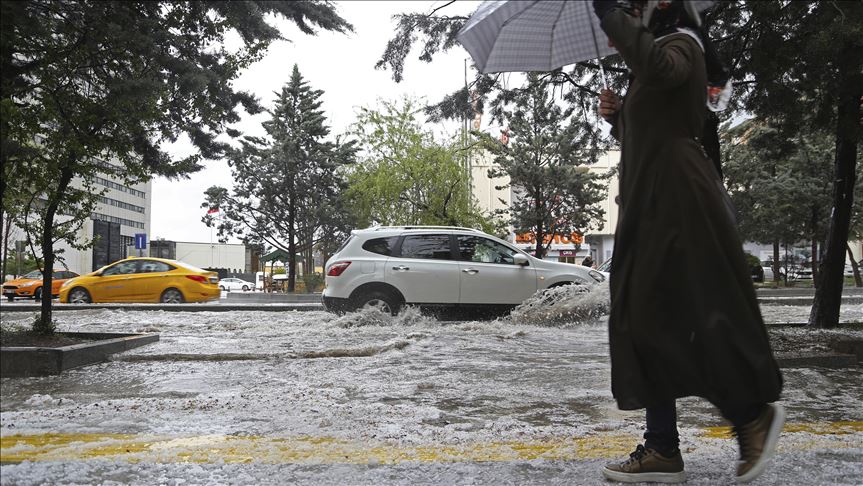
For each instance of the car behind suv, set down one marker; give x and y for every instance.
(438, 266)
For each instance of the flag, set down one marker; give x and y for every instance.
(212, 210)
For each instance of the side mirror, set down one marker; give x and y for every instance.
(520, 259)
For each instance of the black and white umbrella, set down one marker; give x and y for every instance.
(536, 35)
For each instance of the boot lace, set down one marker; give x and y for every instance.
(637, 455)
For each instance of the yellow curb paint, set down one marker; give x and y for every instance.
(821, 428)
(329, 450)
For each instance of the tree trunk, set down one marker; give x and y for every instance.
(292, 251)
(816, 276)
(858, 282)
(45, 324)
(828, 295)
(776, 276)
(6, 230)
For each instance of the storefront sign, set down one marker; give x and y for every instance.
(565, 239)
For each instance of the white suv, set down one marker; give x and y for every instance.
(438, 266)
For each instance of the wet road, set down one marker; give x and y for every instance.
(308, 397)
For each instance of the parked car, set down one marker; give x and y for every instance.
(235, 284)
(29, 286)
(143, 280)
(439, 266)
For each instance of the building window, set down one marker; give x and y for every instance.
(114, 219)
(119, 187)
(121, 204)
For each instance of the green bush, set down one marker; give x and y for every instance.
(313, 281)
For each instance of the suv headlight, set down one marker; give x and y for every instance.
(597, 276)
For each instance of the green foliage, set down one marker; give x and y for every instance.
(285, 184)
(547, 163)
(780, 184)
(87, 82)
(406, 177)
(28, 263)
(313, 281)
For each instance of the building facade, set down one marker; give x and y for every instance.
(122, 212)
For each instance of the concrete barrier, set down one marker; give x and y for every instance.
(270, 298)
(23, 361)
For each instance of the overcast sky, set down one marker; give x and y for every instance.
(340, 65)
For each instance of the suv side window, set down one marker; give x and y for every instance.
(431, 247)
(381, 246)
(483, 250)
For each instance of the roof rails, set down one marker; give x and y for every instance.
(422, 227)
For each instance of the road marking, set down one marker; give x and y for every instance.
(135, 448)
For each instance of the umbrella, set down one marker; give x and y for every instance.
(525, 35)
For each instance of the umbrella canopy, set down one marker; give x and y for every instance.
(535, 35)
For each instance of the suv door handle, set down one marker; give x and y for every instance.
(470, 271)
(401, 268)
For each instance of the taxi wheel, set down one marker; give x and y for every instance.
(79, 295)
(37, 295)
(172, 296)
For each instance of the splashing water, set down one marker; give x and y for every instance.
(374, 316)
(566, 305)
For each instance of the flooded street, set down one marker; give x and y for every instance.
(365, 398)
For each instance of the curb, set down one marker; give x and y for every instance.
(170, 307)
(21, 361)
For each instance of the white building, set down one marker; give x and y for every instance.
(122, 212)
(232, 257)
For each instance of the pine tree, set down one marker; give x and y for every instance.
(284, 184)
(547, 162)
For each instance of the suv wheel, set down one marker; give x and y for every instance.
(378, 299)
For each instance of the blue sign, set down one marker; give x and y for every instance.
(140, 241)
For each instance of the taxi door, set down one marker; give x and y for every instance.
(115, 283)
(153, 278)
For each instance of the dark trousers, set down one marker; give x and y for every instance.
(662, 436)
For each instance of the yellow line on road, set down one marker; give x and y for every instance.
(329, 450)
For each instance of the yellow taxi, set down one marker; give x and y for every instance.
(143, 280)
(30, 285)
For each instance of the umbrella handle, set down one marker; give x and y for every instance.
(596, 46)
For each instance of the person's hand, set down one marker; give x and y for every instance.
(609, 105)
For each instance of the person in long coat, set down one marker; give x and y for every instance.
(684, 316)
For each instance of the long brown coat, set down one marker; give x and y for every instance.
(684, 316)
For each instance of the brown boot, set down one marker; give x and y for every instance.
(647, 466)
(758, 442)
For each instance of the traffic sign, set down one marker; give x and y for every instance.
(140, 241)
